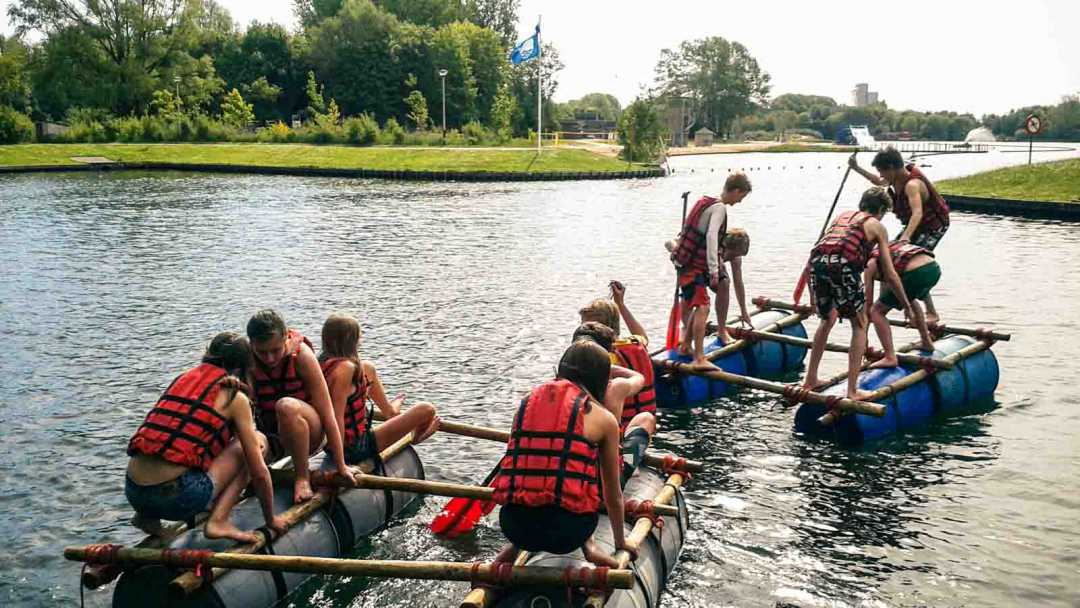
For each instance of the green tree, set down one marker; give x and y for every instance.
(166, 104)
(418, 110)
(721, 77)
(14, 73)
(263, 96)
(640, 132)
(315, 103)
(502, 112)
(235, 111)
(523, 87)
(499, 16)
(431, 13)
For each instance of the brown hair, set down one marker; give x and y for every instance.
(341, 338)
(597, 332)
(231, 352)
(586, 364)
(737, 240)
(601, 310)
(264, 324)
(737, 181)
(876, 201)
(889, 158)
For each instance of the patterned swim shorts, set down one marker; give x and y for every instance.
(837, 284)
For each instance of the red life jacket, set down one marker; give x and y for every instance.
(847, 238)
(902, 253)
(282, 380)
(183, 427)
(935, 210)
(691, 248)
(548, 460)
(631, 354)
(358, 415)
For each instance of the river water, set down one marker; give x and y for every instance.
(110, 285)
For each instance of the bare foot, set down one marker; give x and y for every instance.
(885, 362)
(703, 363)
(420, 434)
(683, 348)
(927, 347)
(932, 319)
(150, 525)
(860, 395)
(302, 491)
(226, 529)
(595, 555)
(725, 337)
(811, 384)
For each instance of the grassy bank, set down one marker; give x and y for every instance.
(330, 157)
(739, 148)
(1056, 181)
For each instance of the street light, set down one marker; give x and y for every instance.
(176, 79)
(442, 74)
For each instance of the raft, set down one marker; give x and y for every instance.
(656, 559)
(762, 359)
(353, 515)
(943, 393)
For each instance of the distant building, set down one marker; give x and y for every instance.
(703, 137)
(862, 96)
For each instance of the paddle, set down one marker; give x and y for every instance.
(801, 285)
(460, 515)
(675, 318)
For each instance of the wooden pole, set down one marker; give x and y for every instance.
(912, 379)
(407, 569)
(942, 329)
(484, 597)
(841, 376)
(844, 404)
(739, 345)
(642, 528)
(187, 583)
(840, 348)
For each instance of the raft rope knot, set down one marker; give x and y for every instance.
(96, 554)
(672, 465)
(927, 365)
(937, 330)
(873, 354)
(500, 573)
(832, 403)
(744, 334)
(985, 335)
(794, 393)
(196, 559)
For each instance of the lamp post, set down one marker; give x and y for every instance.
(176, 79)
(442, 74)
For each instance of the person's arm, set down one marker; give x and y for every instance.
(888, 270)
(389, 408)
(610, 470)
(341, 387)
(717, 214)
(740, 291)
(311, 375)
(240, 414)
(618, 294)
(914, 196)
(877, 180)
(624, 383)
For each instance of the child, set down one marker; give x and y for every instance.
(734, 247)
(696, 256)
(183, 457)
(293, 401)
(563, 442)
(352, 383)
(919, 273)
(836, 267)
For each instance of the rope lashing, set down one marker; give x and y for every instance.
(832, 403)
(643, 509)
(985, 335)
(673, 465)
(794, 393)
(103, 554)
(593, 578)
(500, 573)
(743, 334)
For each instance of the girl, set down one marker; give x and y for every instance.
(352, 383)
(183, 458)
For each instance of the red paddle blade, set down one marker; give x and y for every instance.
(674, 321)
(799, 287)
(460, 516)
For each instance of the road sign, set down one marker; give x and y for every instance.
(1033, 125)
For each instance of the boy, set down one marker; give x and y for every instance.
(919, 273)
(734, 247)
(835, 268)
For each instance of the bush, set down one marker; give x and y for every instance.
(87, 115)
(90, 132)
(362, 130)
(277, 133)
(424, 138)
(455, 138)
(128, 129)
(759, 135)
(475, 133)
(15, 127)
(640, 131)
(392, 133)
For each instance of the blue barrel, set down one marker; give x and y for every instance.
(332, 532)
(765, 358)
(945, 393)
(657, 556)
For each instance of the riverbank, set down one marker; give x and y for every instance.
(761, 146)
(374, 161)
(1053, 182)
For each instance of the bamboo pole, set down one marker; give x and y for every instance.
(841, 376)
(847, 405)
(739, 345)
(407, 569)
(484, 597)
(187, 583)
(942, 329)
(912, 379)
(642, 528)
(840, 348)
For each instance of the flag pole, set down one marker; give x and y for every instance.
(539, 82)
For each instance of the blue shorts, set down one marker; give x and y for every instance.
(178, 500)
(359, 451)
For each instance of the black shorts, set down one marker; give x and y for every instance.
(549, 528)
(837, 284)
(634, 444)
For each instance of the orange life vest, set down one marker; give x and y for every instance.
(548, 460)
(935, 211)
(902, 253)
(281, 380)
(183, 427)
(358, 415)
(631, 354)
(847, 238)
(691, 249)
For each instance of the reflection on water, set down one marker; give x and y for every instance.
(467, 293)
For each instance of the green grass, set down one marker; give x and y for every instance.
(807, 148)
(335, 157)
(1056, 181)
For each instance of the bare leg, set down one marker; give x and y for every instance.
(230, 476)
(700, 319)
(855, 355)
(932, 317)
(685, 347)
(920, 324)
(594, 554)
(301, 432)
(508, 554)
(884, 334)
(419, 419)
(722, 301)
(644, 420)
(821, 336)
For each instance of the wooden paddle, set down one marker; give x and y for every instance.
(801, 285)
(675, 318)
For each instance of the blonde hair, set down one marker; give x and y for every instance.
(737, 181)
(737, 241)
(341, 338)
(603, 311)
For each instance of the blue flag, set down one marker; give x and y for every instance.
(526, 49)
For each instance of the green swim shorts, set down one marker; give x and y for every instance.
(917, 284)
